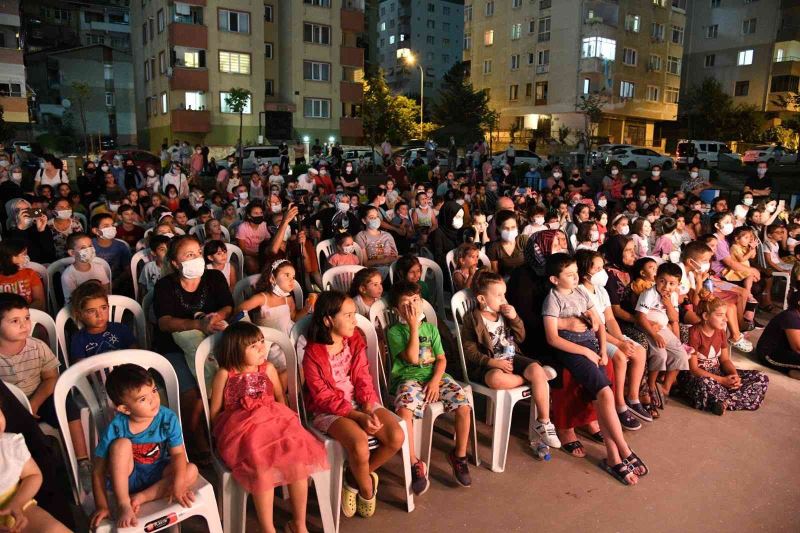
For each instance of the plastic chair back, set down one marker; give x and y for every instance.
(450, 259)
(324, 250)
(462, 303)
(437, 287)
(236, 259)
(54, 271)
(340, 277)
(138, 261)
(41, 271)
(40, 318)
(20, 396)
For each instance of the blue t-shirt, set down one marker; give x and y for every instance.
(152, 445)
(116, 337)
(118, 255)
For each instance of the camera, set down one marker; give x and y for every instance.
(34, 212)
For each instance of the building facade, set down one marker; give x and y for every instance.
(300, 61)
(751, 47)
(537, 58)
(433, 31)
(13, 88)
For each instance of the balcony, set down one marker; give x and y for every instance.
(14, 56)
(189, 79)
(189, 35)
(787, 66)
(352, 20)
(351, 91)
(351, 127)
(187, 121)
(351, 56)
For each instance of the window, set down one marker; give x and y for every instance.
(147, 74)
(431, 8)
(674, 65)
(144, 33)
(513, 92)
(392, 39)
(234, 62)
(316, 108)
(677, 34)
(234, 21)
(108, 72)
(540, 96)
(269, 87)
(671, 95)
(151, 27)
(316, 71)
(162, 62)
(268, 13)
(654, 63)
(528, 90)
(712, 31)
(715, 3)
(657, 32)
(316, 33)
(268, 50)
(543, 57)
(741, 88)
(467, 13)
(544, 29)
(681, 4)
(319, 3)
(629, 57)
(11, 89)
(515, 62)
(627, 89)
(599, 47)
(116, 18)
(785, 83)
(545, 4)
(632, 23)
(445, 10)
(160, 20)
(88, 16)
(516, 3)
(710, 59)
(402, 37)
(446, 59)
(660, 3)
(531, 26)
(749, 26)
(489, 10)
(653, 94)
(383, 26)
(467, 41)
(488, 38)
(745, 57)
(194, 100)
(516, 31)
(225, 108)
(431, 24)
(587, 83)
(430, 39)
(194, 59)
(164, 107)
(487, 66)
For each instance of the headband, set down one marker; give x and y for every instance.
(276, 265)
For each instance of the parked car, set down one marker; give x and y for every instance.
(770, 154)
(361, 155)
(252, 156)
(706, 153)
(601, 154)
(408, 154)
(520, 157)
(635, 157)
(143, 160)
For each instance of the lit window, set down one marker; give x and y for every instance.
(599, 47)
(234, 62)
(488, 37)
(745, 57)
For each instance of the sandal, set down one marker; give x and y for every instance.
(572, 447)
(652, 410)
(619, 471)
(597, 436)
(349, 500)
(636, 464)
(656, 397)
(366, 508)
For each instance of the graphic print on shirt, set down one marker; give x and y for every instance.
(426, 357)
(147, 453)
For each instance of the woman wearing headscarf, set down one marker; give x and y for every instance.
(527, 290)
(620, 252)
(448, 235)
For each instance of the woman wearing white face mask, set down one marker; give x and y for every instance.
(379, 247)
(723, 226)
(62, 225)
(507, 253)
(189, 304)
(448, 235)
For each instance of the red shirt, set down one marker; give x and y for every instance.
(325, 182)
(400, 177)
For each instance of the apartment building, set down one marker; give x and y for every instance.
(301, 62)
(13, 89)
(60, 25)
(432, 30)
(537, 58)
(752, 47)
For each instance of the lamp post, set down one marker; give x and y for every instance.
(407, 55)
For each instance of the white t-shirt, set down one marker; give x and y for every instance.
(530, 229)
(599, 298)
(499, 334)
(71, 277)
(688, 281)
(13, 456)
(149, 275)
(42, 179)
(651, 305)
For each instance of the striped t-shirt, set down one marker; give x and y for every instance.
(25, 368)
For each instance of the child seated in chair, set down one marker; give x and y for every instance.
(140, 456)
(152, 271)
(80, 247)
(418, 378)
(345, 251)
(115, 252)
(90, 307)
(409, 268)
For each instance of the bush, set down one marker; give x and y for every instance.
(299, 169)
(420, 174)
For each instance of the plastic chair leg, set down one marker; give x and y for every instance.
(473, 429)
(500, 433)
(424, 444)
(490, 407)
(322, 485)
(210, 512)
(234, 505)
(407, 467)
(336, 476)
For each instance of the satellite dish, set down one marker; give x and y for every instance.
(65, 103)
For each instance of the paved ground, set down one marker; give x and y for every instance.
(708, 474)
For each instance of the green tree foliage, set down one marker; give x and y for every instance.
(462, 111)
(709, 113)
(82, 92)
(237, 100)
(386, 116)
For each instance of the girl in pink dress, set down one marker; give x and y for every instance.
(257, 436)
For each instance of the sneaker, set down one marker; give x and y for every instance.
(628, 421)
(743, 345)
(419, 478)
(638, 410)
(547, 433)
(85, 475)
(460, 469)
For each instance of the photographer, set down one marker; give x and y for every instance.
(290, 241)
(31, 228)
(339, 218)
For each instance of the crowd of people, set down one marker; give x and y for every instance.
(608, 294)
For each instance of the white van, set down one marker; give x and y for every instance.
(705, 152)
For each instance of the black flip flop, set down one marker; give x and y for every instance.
(618, 471)
(570, 447)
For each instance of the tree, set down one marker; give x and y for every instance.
(82, 93)
(462, 111)
(237, 100)
(591, 105)
(709, 113)
(490, 122)
(386, 116)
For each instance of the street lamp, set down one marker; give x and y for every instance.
(407, 55)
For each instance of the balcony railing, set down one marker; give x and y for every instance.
(787, 58)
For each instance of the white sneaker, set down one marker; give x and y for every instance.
(743, 345)
(547, 432)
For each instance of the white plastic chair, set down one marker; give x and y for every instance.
(44, 427)
(500, 403)
(56, 295)
(337, 455)
(138, 261)
(232, 496)
(200, 232)
(428, 265)
(88, 376)
(340, 277)
(450, 259)
(41, 271)
(244, 290)
(380, 313)
(327, 248)
(20, 396)
(118, 305)
(785, 276)
(46, 321)
(234, 252)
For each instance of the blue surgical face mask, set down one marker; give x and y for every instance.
(374, 223)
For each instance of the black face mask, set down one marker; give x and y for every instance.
(256, 220)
